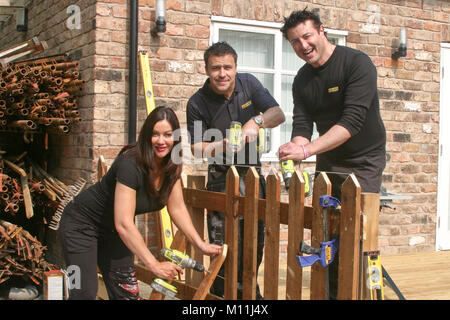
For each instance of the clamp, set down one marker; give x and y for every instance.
(326, 252)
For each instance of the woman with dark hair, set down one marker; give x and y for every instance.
(97, 226)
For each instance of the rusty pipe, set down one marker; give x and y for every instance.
(76, 82)
(24, 124)
(11, 207)
(43, 101)
(38, 109)
(17, 92)
(44, 121)
(23, 112)
(41, 95)
(58, 129)
(69, 105)
(66, 65)
(12, 86)
(73, 113)
(17, 105)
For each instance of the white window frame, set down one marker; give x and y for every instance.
(273, 28)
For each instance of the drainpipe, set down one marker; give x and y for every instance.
(132, 75)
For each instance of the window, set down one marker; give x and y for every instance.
(263, 52)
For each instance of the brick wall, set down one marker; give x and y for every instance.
(409, 88)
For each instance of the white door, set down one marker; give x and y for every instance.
(443, 203)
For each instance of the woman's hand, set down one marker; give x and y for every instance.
(167, 270)
(210, 249)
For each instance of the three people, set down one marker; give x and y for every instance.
(336, 89)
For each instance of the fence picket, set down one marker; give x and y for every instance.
(294, 274)
(272, 236)
(322, 186)
(349, 239)
(231, 234)
(250, 235)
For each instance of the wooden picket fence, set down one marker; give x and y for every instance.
(297, 216)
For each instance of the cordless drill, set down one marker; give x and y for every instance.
(181, 259)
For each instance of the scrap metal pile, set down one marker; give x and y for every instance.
(21, 254)
(24, 189)
(40, 93)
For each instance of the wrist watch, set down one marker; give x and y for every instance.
(258, 120)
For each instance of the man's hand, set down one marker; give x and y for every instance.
(249, 131)
(291, 151)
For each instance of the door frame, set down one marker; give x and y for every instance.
(443, 192)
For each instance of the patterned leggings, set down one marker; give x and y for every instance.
(85, 247)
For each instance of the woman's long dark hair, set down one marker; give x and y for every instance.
(145, 157)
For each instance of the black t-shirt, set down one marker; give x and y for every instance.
(343, 91)
(97, 202)
(213, 111)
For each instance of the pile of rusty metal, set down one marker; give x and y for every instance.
(40, 93)
(21, 254)
(24, 187)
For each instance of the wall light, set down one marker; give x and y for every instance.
(160, 17)
(401, 50)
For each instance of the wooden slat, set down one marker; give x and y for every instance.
(349, 239)
(272, 237)
(28, 203)
(322, 186)
(216, 201)
(214, 268)
(231, 234)
(250, 235)
(370, 207)
(193, 277)
(294, 274)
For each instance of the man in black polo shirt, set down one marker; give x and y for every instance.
(337, 89)
(225, 97)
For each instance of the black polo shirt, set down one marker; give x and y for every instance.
(208, 110)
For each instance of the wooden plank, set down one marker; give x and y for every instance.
(250, 240)
(28, 204)
(102, 168)
(349, 239)
(370, 206)
(231, 234)
(272, 237)
(294, 274)
(322, 186)
(193, 277)
(216, 201)
(205, 285)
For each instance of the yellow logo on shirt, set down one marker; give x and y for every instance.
(245, 105)
(333, 89)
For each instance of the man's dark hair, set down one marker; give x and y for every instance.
(297, 17)
(219, 49)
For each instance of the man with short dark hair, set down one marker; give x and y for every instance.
(225, 97)
(337, 90)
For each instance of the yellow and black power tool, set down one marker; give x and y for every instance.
(181, 259)
(287, 170)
